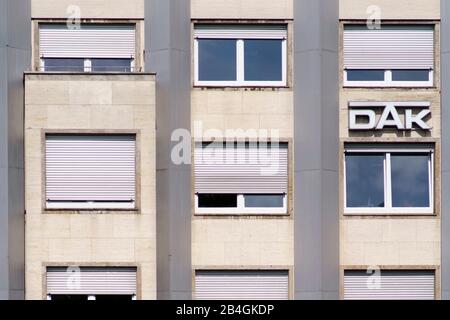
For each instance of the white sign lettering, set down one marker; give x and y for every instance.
(366, 119)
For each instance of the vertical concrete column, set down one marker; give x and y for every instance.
(316, 140)
(15, 58)
(445, 138)
(168, 47)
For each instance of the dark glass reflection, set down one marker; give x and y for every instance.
(364, 180)
(263, 60)
(217, 200)
(410, 180)
(365, 75)
(216, 60)
(111, 65)
(410, 75)
(67, 297)
(264, 200)
(63, 64)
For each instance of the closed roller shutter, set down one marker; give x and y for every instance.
(242, 285)
(240, 32)
(90, 41)
(393, 285)
(244, 169)
(391, 47)
(90, 168)
(91, 281)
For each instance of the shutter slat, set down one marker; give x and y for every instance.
(241, 285)
(251, 170)
(91, 281)
(391, 47)
(91, 41)
(90, 168)
(393, 285)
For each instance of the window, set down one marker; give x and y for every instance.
(389, 285)
(90, 172)
(389, 180)
(241, 178)
(240, 55)
(91, 283)
(92, 47)
(395, 55)
(242, 285)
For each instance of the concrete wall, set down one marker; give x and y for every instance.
(316, 149)
(168, 54)
(242, 9)
(388, 9)
(88, 103)
(110, 9)
(15, 58)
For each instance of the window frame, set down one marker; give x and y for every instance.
(240, 66)
(88, 65)
(241, 209)
(123, 206)
(388, 209)
(388, 82)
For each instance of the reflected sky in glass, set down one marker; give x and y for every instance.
(217, 60)
(364, 180)
(117, 65)
(410, 180)
(263, 60)
(63, 64)
(365, 75)
(410, 75)
(264, 201)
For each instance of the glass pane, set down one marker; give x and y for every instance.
(410, 180)
(264, 200)
(263, 60)
(410, 75)
(364, 180)
(217, 60)
(112, 65)
(217, 200)
(365, 75)
(62, 64)
(113, 297)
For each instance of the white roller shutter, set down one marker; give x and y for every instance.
(241, 285)
(91, 281)
(90, 41)
(219, 31)
(244, 169)
(90, 168)
(391, 47)
(392, 285)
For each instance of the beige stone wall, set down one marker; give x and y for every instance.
(242, 109)
(390, 9)
(240, 243)
(104, 9)
(242, 9)
(89, 103)
(390, 242)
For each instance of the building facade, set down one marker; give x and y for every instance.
(212, 149)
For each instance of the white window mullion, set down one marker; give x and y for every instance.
(388, 182)
(240, 63)
(87, 65)
(388, 77)
(240, 202)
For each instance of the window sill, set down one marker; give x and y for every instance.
(244, 87)
(390, 214)
(91, 211)
(242, 214)
(388, 87)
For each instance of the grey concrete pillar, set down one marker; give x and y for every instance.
(168, 47)
(445, 138)
(15, 58)
(316, 138)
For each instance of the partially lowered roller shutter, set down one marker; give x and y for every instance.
(91, 281)
(88, 41)
(90, 168)
(391, 47)
(241, 285)
(241, 168)
(392, 285)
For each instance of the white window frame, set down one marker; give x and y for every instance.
(240, 67)
(91, 297)
(87, 64)
(241, 209)
(388, 209)
(388, 82)
(90, 205)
